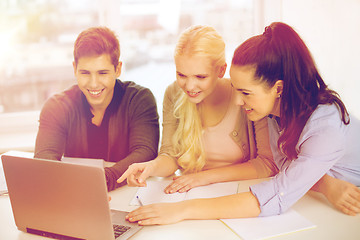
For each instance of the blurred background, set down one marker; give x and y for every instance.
(37, 37)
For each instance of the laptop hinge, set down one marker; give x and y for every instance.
(51, 235)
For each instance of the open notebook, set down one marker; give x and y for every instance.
(245, 228)
(154, 192)
(268, 227)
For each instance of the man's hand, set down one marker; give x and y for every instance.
(137, 174)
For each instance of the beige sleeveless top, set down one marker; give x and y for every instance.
(220, 149)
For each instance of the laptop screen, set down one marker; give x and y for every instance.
(60, 198)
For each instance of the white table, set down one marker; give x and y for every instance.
(331, 224)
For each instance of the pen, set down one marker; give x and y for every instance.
(141, 204)
(4, 193)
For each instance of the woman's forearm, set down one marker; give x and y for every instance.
(164, 166)
(236, 172)
(241, 205)
(323, 184)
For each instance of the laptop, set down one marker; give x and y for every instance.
(62, 200)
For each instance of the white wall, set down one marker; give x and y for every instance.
(331, 30)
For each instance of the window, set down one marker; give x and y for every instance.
(37, 37)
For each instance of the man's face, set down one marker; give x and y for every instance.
(96, 77)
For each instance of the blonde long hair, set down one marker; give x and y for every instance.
(187, 140)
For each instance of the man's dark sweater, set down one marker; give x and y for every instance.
(132, 128)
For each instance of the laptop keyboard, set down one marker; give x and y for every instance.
(120, 229)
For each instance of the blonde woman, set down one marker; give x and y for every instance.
(205, 134)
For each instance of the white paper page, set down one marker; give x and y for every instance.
(19, 154)
(213, 190)
(267, 227)
(3, 187)
(154, 193)
(84, 161)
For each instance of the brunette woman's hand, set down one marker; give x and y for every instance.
(158, 214)
(344, 196)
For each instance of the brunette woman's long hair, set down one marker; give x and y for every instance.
(280, 54)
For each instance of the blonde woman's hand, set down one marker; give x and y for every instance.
(137, 173)
(155, 214)
(344, 196)
(185, 182)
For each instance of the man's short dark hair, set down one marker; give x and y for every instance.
(97, 41)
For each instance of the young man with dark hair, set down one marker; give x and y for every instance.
(101, 117)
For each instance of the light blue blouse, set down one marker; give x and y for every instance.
(326, 146)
